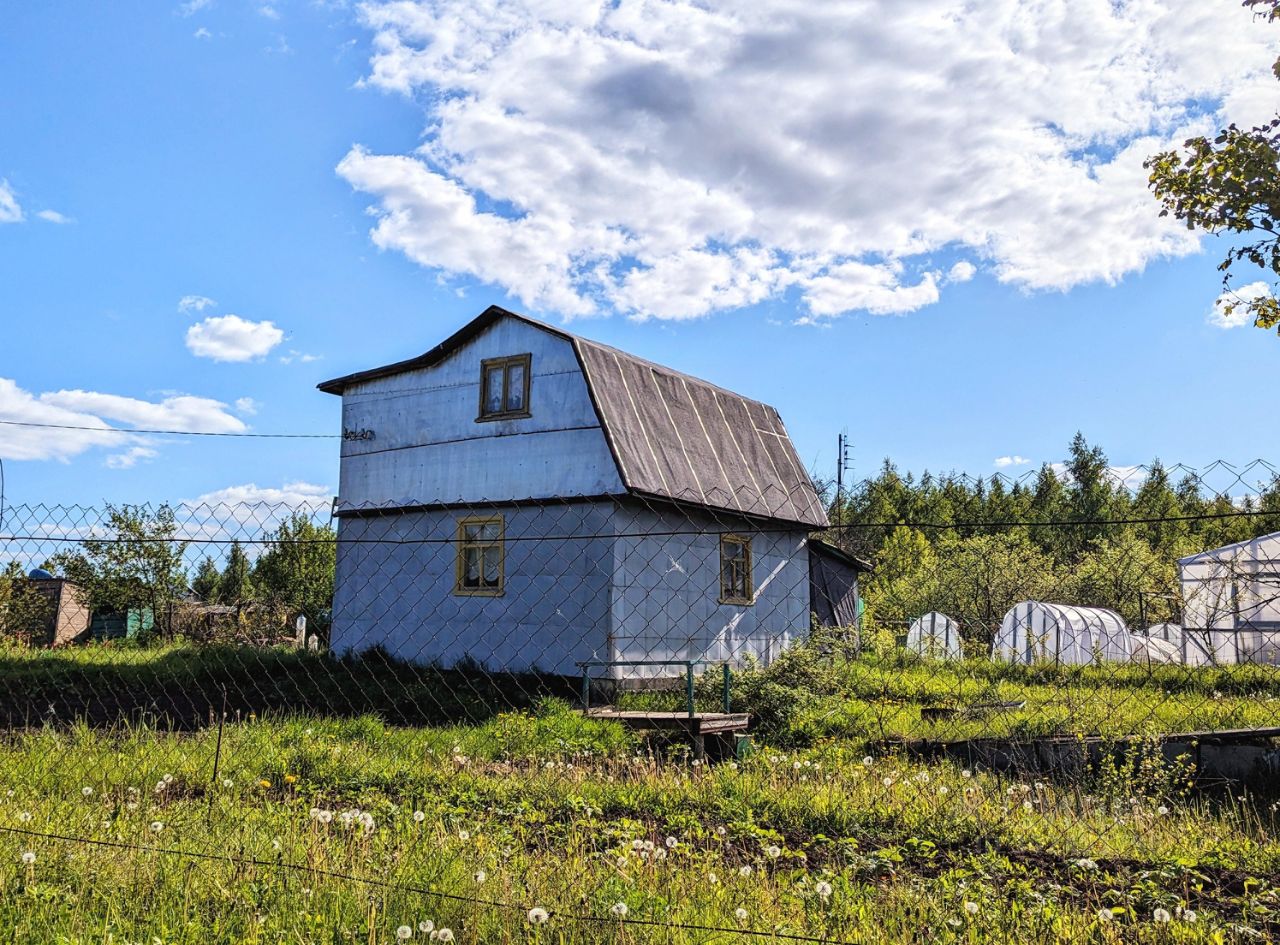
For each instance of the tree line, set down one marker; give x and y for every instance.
(1077, 533)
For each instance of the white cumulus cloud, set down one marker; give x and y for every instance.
(53, 216)
(10, 210)
(962, 271)
(74, 421)
(232, 338)
(1231, 309)
(1004, 462)
(669, 159)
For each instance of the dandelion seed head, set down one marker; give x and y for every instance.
(744, 870)
(28, 858)
(156, 826)
(1105, 915)
(419, 816)
(740, 913)
(538, 916)
(404, 932)
(1160, 916)
(619, 909)
(481, 876)
(823, 889)
(426, 926)
(971, 907)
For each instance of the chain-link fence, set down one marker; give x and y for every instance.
(1032, 709)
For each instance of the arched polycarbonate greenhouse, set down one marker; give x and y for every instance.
(1035, 632)
(935, 636)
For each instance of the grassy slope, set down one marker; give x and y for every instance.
(550, 806)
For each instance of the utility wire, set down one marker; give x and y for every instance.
(422, 890)
(261, 436)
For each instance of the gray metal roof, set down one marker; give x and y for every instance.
(673, 436)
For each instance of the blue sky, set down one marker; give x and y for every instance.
(239, 154)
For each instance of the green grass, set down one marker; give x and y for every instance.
(574, 816)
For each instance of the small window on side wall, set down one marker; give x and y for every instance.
(480, 557)
(735, 570)
(504, 387)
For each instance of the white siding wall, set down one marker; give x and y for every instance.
(428, 447)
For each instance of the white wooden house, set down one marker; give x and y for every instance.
(522, 498)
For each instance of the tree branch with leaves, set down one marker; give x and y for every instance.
(1231, 184)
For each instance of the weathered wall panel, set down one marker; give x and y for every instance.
(666, 594)
(395, 590)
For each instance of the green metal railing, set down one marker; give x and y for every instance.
(688, 665)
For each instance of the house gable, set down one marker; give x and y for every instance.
(666, 435)
(418, 437)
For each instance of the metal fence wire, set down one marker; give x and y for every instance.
(1040, 709)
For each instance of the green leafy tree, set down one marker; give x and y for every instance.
(1231, 184)
(235, 586)
(205, 583)
(140, 564)
(1123, 573)
(979, 578)
(297, 567)
(900, 587)
(25, 614)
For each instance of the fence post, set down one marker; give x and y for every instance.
(727, 703)
(688, 686)
(586, 688)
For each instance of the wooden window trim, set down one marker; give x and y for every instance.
(726, 598)
(502, 364)
(460, 556)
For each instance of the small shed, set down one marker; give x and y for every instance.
(1231, 600)
(68, 616)
(833, 585)
(1034, 631)
(935, 636)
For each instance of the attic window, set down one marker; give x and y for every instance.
(480, 554)
(735, 570)
(504, 387)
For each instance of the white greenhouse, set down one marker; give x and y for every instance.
(1231, 600)
(1150, 650)
(1034, 632)
(1193, 648)
(935, 636)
